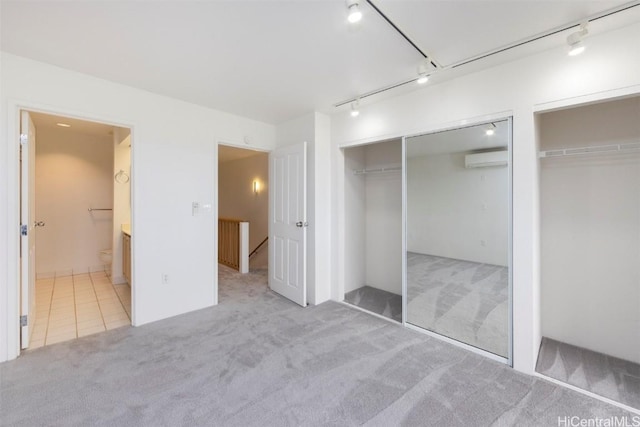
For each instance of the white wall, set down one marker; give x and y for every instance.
(121, 198)
(590, 235)
(73, 173)
(355, 224)
(455, 212)
(383, 217)
(174, 162)
(609, 67)
(236, 199)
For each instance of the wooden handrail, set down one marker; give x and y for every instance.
(259, 246)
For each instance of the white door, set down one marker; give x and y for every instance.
(27, 229)
(287, 222)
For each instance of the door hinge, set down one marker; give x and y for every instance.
(23, 320)
(23, 230)
(24, 138)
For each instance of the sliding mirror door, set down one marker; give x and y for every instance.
(458, 208)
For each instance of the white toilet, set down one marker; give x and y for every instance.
(106, 256)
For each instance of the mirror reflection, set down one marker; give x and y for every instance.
(458, 234)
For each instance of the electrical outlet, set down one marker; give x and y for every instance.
(165, 278)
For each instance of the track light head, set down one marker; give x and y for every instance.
(575, 40)
(355, 112)
(422, 79)
(425, 67)
(354, 11)
(491, 129)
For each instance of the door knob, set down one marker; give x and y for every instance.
(301, 224)
(38, 223)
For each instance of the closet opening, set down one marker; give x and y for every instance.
(243, 222)
(75, 235)
(373, 228)
(590, 247)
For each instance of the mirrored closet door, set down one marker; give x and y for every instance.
(458, 205)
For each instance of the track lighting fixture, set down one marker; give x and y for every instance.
(354, 109)
(491, 129)
(424, 68)
(354, 11)
(576, 45)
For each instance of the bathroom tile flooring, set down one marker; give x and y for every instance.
(75, 306)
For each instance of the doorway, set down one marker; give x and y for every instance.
(76, 216)
(243, 198)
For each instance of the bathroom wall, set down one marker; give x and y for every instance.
(236, 199)
(121, 198)
(73, 173)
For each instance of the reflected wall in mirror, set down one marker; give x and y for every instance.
(458, 203)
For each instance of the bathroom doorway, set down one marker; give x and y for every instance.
(243, 198)
(76, 210)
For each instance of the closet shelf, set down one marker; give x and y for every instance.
(378, 170)
(596, 149)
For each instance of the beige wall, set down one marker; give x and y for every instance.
(73, 173)
(121, 198)
(236, 199)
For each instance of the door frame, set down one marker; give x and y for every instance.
(216, 198)
(11, 323)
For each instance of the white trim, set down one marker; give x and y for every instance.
(592, 98)
(460, 344)
(587, 393)
(364, 310)
(12, 301)
(429, 129)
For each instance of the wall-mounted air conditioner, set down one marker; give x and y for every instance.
(490, 158)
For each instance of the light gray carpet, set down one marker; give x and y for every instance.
(378, 301)
(259, 360)
(463, 300)
(607, 376)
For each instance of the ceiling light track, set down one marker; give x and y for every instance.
(546, 34)
(595, 17)
(395, 27)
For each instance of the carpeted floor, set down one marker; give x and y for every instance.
(257, 359)
(607, 376)
(463, 300)
(377, 301)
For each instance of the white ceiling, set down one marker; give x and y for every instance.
(48, 121)
(275, 60)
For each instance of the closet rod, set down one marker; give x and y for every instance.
(596, 149)
(379, 170)
(99, 209)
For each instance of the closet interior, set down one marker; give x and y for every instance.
(590, 247)
(373, 228)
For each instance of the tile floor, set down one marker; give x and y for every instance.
(75, 306)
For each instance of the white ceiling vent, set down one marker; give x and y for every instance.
(488, 159)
